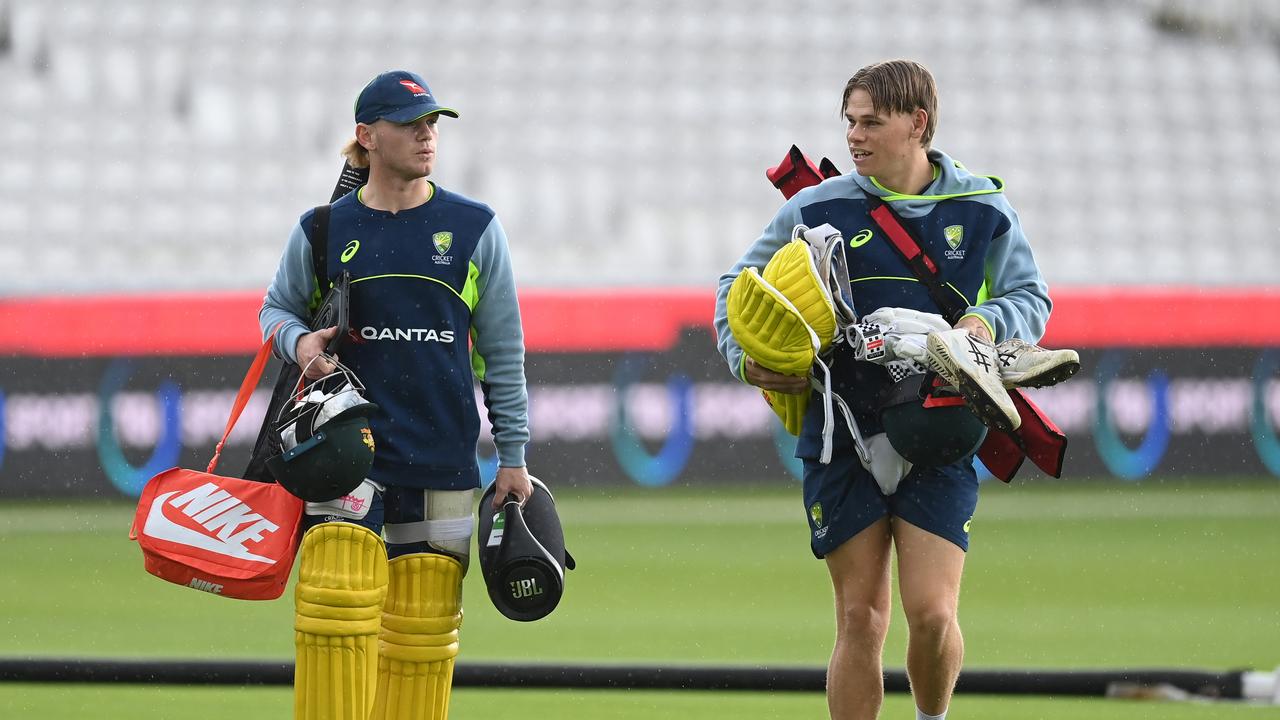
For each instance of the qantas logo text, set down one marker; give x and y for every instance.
(212, 519)
(418, 334)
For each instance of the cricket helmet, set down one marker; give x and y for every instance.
(326, 444)
(522, 554)
(928, 423)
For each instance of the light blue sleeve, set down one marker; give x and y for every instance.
(498, 345)
(1017, 303)
(775, 235)
(289, 297)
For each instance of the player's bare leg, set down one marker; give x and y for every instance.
(860, 577)
(929, 570)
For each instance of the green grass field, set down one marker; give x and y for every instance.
(1061, 575)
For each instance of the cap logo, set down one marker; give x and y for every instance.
(413, 87)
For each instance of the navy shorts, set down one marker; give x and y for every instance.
(842, 500)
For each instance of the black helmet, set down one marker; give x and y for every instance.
(327, 446)
(928, 423)
(522, 554)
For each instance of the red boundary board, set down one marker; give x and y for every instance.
(610, 320)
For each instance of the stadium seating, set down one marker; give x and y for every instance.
(171, 144)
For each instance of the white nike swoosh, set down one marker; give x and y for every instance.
(160, 527)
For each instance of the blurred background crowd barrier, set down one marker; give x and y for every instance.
(160, 151)
(625, 387)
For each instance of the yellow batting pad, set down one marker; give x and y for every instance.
(792, 271)
(790, 409)
(342, 582)
(768, 326)
(419, 638)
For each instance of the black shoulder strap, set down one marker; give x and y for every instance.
(912, 253)
(320, 245)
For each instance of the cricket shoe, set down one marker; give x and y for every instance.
(969, 363)
(1023, 364)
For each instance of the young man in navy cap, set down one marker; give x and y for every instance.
(430, 271)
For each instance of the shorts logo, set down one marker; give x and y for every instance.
(443, 241)
(967, 523)
(862, 237)
(350, 250)
(815, 514)
(954, 235)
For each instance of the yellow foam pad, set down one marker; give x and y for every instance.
(790, 409)
(792, 271)
(768, 326)
(342, 582)
(419, 638)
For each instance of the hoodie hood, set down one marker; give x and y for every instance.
(951, 180)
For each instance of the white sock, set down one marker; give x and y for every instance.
(922, 715)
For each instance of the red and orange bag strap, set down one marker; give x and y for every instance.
(247, 386)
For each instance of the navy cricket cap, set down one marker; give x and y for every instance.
(397, 96)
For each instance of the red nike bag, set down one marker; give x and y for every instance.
(227, 536)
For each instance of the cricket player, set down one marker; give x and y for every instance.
(433, 302)
(966, 222)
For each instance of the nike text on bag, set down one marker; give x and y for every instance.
(227, 536)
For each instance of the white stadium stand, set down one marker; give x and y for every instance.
(171, 144)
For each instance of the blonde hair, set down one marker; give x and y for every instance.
(898, 86)
(356, 154)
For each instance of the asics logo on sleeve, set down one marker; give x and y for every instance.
(212, 519)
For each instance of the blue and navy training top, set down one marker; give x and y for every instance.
(966, 225)
(433, 301)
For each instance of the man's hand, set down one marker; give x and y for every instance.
(514, 481)
(309, 347)
(763, 377)
(975, 327)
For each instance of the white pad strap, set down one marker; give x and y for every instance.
(428, 531)
(828, 420)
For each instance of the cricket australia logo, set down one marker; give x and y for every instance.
(815, 514)
(443, 241)
(954, 235)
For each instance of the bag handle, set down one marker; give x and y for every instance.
(247, 387)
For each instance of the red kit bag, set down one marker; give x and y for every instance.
(227, 536)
